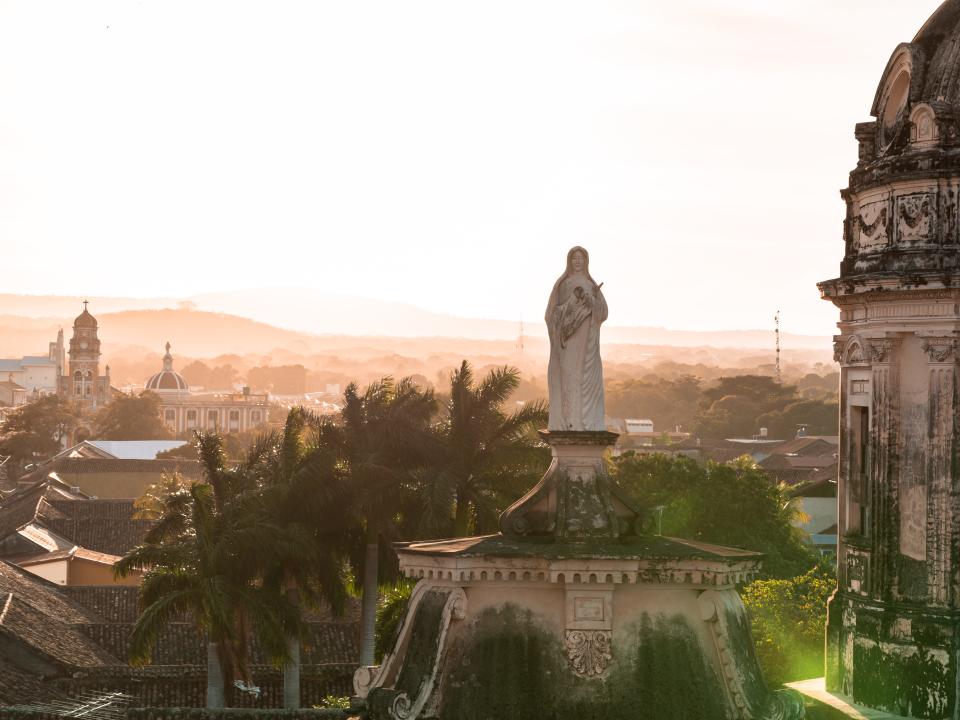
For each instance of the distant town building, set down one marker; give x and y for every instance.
(36, 375)
(817, 502)
(83, 382)
(12, 394)
(638, 434)
(183, 411)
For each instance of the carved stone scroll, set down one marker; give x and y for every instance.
(589, 651)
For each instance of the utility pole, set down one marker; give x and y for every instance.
(776, 320)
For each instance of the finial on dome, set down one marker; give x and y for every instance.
(85, 304)
(168, 359)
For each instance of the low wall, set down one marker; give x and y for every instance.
(185, 687)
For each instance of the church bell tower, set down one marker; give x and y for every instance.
(893, 632)
(83, 383)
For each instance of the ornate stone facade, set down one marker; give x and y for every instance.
(894, 621)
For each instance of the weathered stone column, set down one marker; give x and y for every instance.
(942, 355)
(884, 459)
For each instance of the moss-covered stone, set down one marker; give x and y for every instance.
(910, 681)
(420, 657)
(509, 666)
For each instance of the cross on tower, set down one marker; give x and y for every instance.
(85, 304)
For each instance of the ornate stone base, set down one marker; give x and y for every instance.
(644, 628)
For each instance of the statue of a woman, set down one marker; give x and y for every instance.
(574, 314)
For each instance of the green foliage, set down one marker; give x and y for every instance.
(333, 701)
(131, 417)
(734, 504)
(281, 380)
(38, 428)
(731, 406)
(240, 550)
(787, 621)
(152, 504)
(221, 377)
(485, 457)
(739, 406)
(669, 402)
(760, 390)
(390, 611)
(820, 417)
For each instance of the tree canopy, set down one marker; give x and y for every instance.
(735, 504)
(131, 417)
(38, 428)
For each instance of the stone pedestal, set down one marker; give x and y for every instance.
(568, 613)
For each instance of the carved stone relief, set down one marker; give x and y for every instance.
(589, 651)
(940, 349)
(915, 216)
(871, 226)
(881, 350)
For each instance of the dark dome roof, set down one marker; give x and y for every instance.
(167, 380)
(939, 39)
(85, 319)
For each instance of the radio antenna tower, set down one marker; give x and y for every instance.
(520, 339)
(776, 321)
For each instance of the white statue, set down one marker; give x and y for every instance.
(574, 314)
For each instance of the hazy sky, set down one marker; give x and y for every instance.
(441, 153)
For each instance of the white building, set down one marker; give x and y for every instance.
(37, 374)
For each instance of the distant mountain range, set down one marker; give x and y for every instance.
(278, 317)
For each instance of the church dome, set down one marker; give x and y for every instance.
(918, 97)
(901, 229)
(167, 380)
(85, 319)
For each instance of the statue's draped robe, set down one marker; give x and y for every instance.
(576, 373)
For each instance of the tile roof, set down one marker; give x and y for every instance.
(99, 526)
(104, 526)
(49, 636)
(808, 444)
(18, 687)
(20, 509)
(43, 595)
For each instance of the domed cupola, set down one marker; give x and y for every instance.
(903, 202)
(85, 319)
(167, 380)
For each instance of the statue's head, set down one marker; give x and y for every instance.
(578, 260)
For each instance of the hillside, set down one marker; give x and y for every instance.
(133, 345)
(308, 312)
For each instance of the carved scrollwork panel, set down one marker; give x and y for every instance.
(915, 217)
(839, 343)
(882, 349)
(871, 227)
(940, 350)
(589, 651)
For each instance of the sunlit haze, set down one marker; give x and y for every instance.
(442, 154)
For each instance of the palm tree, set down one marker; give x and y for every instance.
(301, 483)
(381, 435)
(200, 560)
(490, 456)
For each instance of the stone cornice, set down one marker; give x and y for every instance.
(612, 571)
